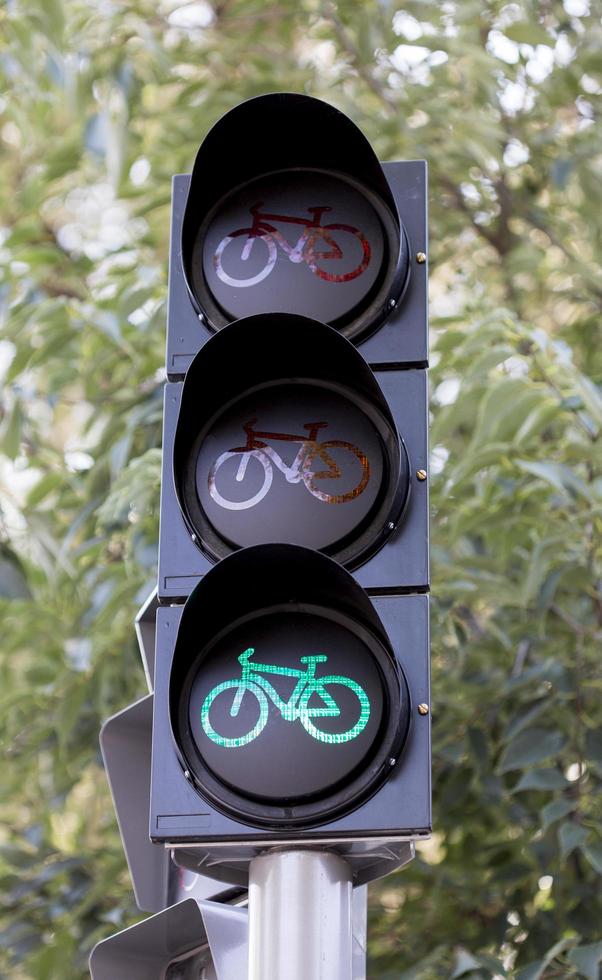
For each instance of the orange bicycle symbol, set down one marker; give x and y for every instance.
(301, 470)
(316, 243)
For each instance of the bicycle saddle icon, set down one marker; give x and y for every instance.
(308, 688)
(301, 470)
(316, 243)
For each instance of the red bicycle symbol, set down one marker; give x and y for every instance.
(303, 469)
(316, 243)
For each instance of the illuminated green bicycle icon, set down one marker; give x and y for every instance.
(296, 708)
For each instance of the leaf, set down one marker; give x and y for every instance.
(503, 410)
(490, 455)
(556, 810)
(531, 746)
(586, 959)
(593, 741)
(13, 583)
(537, 420)
(528, 32)
(524, 719)
(10, 442)
(593, 853)
(464, 962)
(137, 486)
(570, 836)
(540, 779)
(591, 396)
(535, 970)
(557, 475)
(46, 485)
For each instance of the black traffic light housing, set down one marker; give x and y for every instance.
(291, 705)
(287, 369)
(261, 776)
(314, 149)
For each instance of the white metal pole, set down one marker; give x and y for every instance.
(300, 925)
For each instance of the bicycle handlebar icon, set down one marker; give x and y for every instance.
(295, 709)
(300, 470)
(315, 243)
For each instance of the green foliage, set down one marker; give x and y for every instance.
(101, 104)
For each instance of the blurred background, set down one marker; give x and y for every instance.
(101, 102)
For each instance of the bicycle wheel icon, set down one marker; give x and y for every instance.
(226, 694)
(239, 245)
(310, 477)
(312, 254)
(362, 710)
(243, 469)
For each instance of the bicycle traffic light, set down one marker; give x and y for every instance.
(289, 210)
(283, 709)
(292, 644)
(297, 442)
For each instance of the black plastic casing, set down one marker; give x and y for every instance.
(402, 561)
(400, 808)
(402, 338)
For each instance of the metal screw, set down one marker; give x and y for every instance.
(187, 774)
(392, 303)
(193, 536)
(391, 526)
(423, 709)
(392, 762)
(421, 258)
(421, 474)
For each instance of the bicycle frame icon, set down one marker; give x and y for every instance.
(315, 243)
(301, 469)
(296, 708)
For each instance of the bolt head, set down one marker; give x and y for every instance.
(421, 258)
(423, 709)
(421, 475)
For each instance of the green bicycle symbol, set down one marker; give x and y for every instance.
(296, 708)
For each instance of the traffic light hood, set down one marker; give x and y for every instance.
(261, 577)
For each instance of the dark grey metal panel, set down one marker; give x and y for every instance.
(146, 950)
(402, 563)
(125, 744)
(145, 626)
(181, 563)
(125, 741)
(185, 332)
(370, 858)
(208, 937)
(227, 929)
(401, 808)
(402, 340)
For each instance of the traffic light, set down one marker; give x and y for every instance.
(281, 432)
(289, 210)
(292, 663)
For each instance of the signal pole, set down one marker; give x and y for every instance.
(300, 927)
